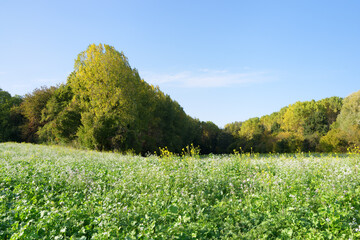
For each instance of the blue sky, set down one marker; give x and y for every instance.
(223, 61)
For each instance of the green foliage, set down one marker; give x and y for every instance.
(349, 118)
(294, 118)
(331, 107)
(345, 131)
(61, 117)
(251, 129)
(10, 117)
(60, 193)
(298, 127)
(334, 141)
(287, 143)
(104, 87)
(275, 128)
(233, 128)
(31, 108)
(317, 122)
(224, 141)
(209, 137)
(105, 105)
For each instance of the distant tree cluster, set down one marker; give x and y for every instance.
(105, 105)
(327, 125)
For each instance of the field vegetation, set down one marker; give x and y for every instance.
(52, 192)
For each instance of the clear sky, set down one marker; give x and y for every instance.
(223, 61)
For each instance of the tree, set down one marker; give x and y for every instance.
(105, 88)
(251, 136)
(233, 128)
(61, 117)
(331, 107)
(31, 108)
(294, 118)
(251, 128)
(119, 110)
(10, 118)
(334, 141)
(317, 122)
(224, 141)
(349, 118)
(209, 138)
(287, 142)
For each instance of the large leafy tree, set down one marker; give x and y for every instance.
(105, 89)
(106, 105)
(117, 109)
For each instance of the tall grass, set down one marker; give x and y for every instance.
(60, 193)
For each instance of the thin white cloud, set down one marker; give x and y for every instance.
(205, 78)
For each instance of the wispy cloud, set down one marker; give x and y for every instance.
(205, 78)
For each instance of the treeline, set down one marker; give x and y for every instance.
(328, 125)
(105, 105)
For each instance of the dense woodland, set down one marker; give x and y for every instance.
(105, 105)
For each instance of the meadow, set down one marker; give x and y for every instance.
(52, 192)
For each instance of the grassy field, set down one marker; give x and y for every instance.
(61, 193)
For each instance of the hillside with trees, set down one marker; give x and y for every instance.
(302, 126)
(105, 105)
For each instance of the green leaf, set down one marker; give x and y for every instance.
(173, 209)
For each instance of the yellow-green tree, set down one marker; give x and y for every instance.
(105, 88)
(349, 118)
(294, 118)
